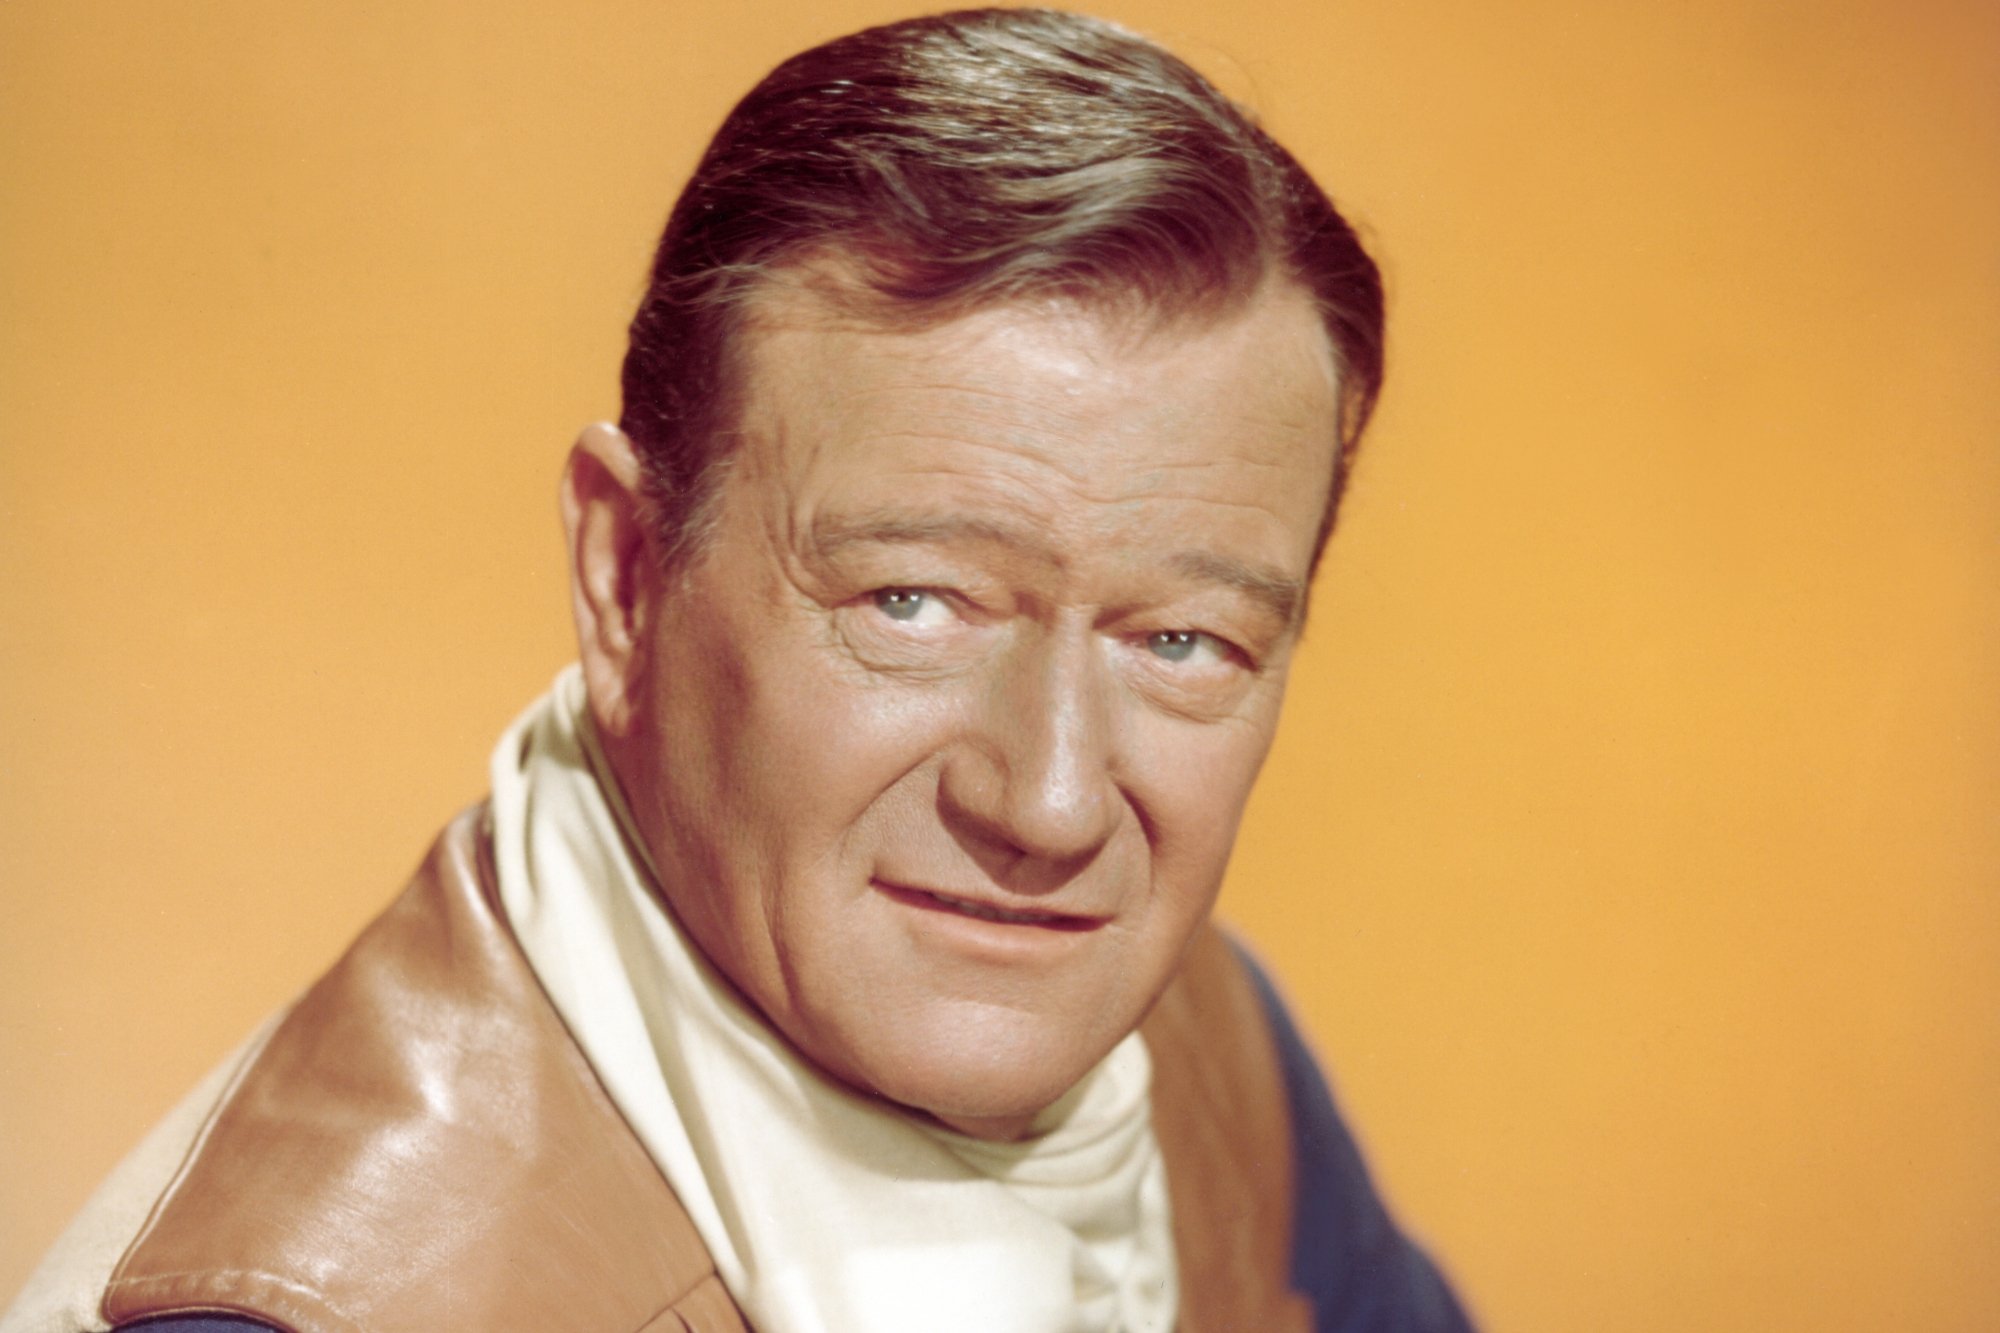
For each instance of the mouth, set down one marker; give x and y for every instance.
(985, 911)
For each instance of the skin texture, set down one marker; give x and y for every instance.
(998, 612)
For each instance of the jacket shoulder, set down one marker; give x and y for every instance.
(1348, 1263)
(1224, 1126)
(418, 1146)
(63, 1293)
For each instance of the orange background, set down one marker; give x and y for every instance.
(1632, 846)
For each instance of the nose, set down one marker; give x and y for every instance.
(1031, 789)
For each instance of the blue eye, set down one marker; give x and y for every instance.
(1175, 645)
(901, 603)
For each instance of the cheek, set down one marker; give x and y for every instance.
(1198, 798)
(801, 750)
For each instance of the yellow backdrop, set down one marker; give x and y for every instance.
(1632, 846)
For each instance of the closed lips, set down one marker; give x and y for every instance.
(986, 911)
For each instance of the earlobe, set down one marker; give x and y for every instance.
(603, 511)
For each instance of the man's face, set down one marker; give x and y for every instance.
(941, 745)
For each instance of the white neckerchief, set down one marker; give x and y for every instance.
(825, 1212)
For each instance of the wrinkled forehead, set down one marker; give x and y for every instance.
(1050, 408)
(818, 316)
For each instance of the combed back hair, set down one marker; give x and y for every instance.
(963, 161)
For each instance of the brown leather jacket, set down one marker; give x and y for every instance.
(419, 1145)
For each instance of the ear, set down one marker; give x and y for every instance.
(611, 571)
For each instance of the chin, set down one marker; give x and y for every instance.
(985, 1071)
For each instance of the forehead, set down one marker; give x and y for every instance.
(1089, 428)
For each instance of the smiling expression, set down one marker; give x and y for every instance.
(941, 742)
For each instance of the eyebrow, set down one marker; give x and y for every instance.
(1277, 592)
